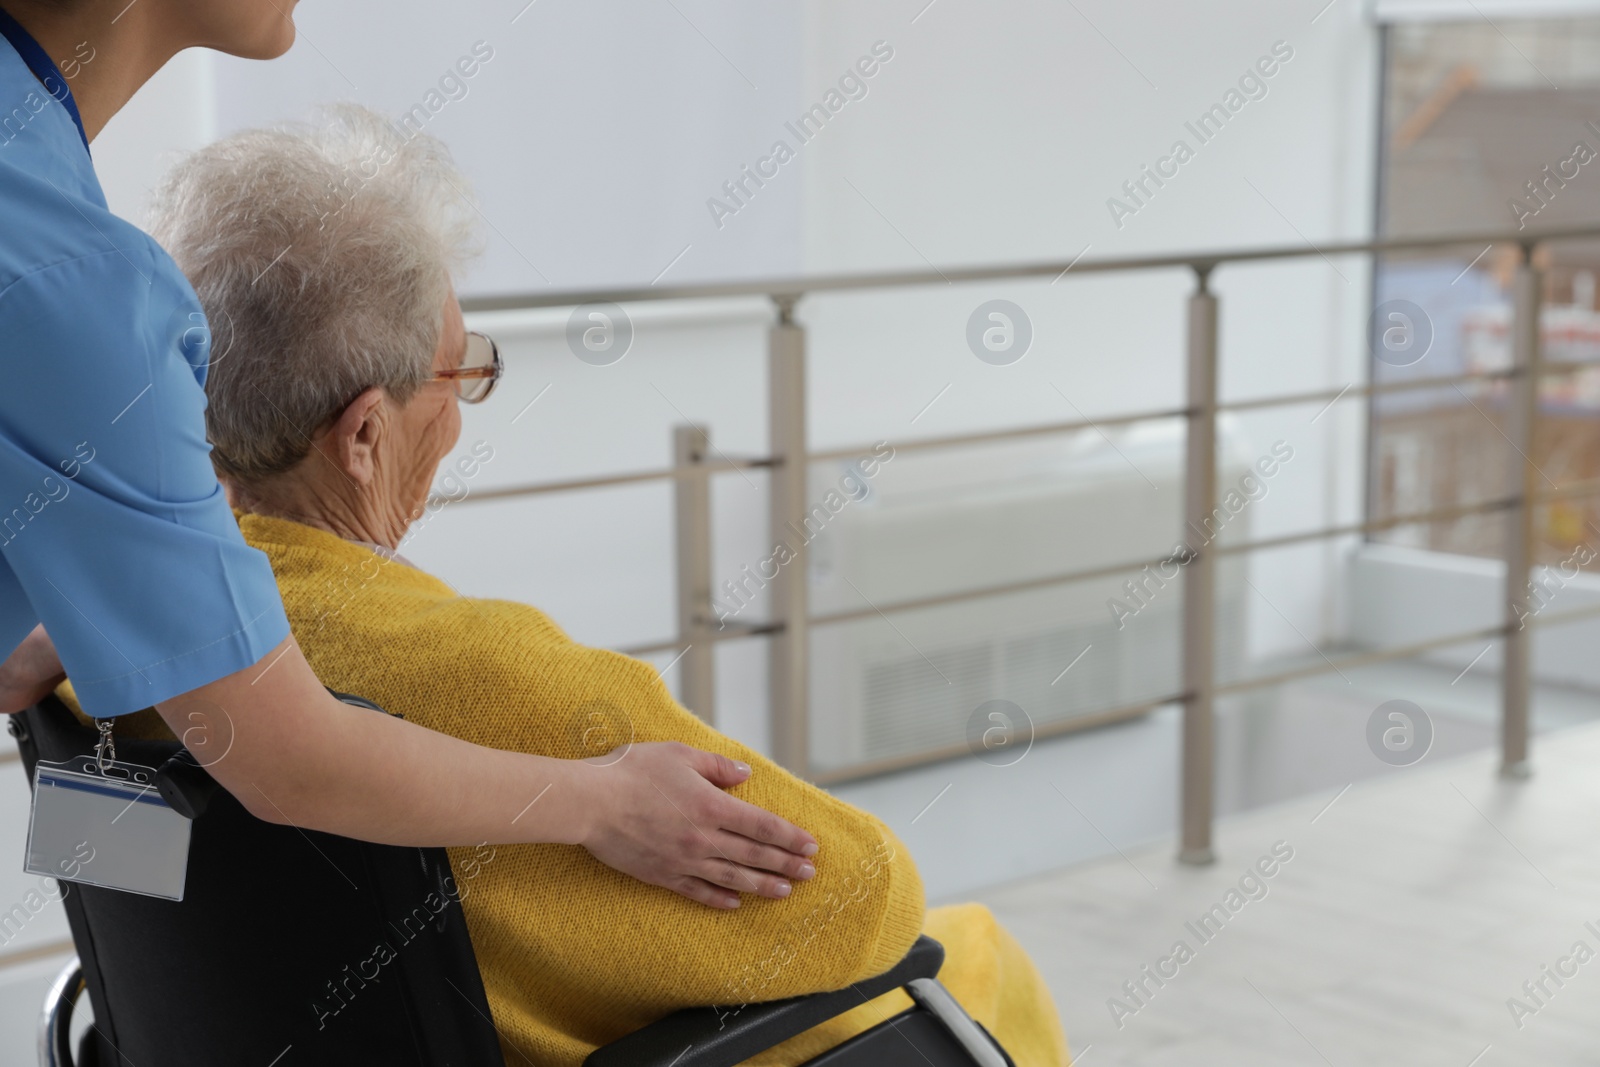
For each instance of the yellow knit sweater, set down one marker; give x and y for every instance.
(575, 954)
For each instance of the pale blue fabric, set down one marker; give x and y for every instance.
(113, 530)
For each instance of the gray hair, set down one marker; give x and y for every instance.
(322, 257)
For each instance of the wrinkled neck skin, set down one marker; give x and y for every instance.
(317, 493)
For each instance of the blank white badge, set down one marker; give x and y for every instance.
(113, 830)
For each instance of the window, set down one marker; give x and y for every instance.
(1486, 126)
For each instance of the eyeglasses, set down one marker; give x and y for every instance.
(479, 372)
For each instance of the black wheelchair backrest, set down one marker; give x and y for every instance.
(291, 947)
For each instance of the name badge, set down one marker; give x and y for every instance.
(103, 822)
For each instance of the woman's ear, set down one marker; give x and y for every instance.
(351, 441)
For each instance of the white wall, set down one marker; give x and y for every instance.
(999, 132)
(173, 114)
(593, 135)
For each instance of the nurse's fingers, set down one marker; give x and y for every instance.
(735, 816)
(703, 892)
(752, 854)
(741, 879)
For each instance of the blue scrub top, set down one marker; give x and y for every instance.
(113, 530)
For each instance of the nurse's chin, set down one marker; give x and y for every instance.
(249, 29)
(276, 42)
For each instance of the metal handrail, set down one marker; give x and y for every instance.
(1413, 518)
(1129, 566)
(1122, 712)
(789, 457)
(1406, 651)
(1206, 260)
(965, 440)
(603, 481)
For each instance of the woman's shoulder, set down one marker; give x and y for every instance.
(328, 582)
(324, 563)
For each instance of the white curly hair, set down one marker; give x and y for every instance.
(322, 255)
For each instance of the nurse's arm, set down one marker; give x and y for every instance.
(30, 673)
(292, 754)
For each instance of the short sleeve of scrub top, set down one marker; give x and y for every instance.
(113, 529)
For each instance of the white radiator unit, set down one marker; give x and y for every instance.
(944, 521)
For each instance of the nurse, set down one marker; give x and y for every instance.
(122, 566)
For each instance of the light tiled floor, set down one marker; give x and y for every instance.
(1413, 907)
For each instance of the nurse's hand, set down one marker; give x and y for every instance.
(30, 673)
(658, 811)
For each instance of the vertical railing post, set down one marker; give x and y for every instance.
(1199, 577)
(692, 507)
(790, 648)
(1523, 415)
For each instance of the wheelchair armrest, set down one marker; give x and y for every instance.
(718, 1037)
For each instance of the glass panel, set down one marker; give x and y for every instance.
(1486, 127)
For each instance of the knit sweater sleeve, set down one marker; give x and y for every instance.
(532, 689)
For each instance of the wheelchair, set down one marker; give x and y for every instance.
(261, 963)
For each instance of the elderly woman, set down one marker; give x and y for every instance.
(339, 360)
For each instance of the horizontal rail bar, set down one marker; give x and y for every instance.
(1130, 711)
(1129, 418)
(1401, 652)
(1003, 589)
(1550, 368)
(1482, 507)
(1128, 566)
(790, 288)
(989, 436)
(605, 480)
(1122, 713)
(1561, 618)
(732, 633)
(1354, 391)
(1583, 488)
(993, 436)
(1363, 659)
(1105, 570)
